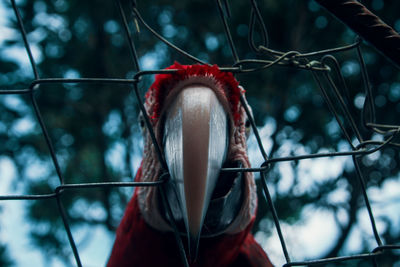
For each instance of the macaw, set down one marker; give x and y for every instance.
(201, 126)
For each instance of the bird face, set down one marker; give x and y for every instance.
(200, 125)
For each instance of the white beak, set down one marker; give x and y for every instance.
(195, 144)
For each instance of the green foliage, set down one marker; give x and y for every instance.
(93, 126)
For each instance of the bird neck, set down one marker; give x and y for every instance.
(142, 242)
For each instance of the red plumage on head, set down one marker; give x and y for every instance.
(165, 82)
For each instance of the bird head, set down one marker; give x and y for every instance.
(201, 126)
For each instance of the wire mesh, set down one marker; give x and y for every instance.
(321, 71)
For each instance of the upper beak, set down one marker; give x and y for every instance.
(195, 145)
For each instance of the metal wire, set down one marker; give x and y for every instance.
(369, 26)
(291, 59)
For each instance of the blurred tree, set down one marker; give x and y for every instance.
(93, 126)
(4, 258)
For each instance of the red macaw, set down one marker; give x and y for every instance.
(200, 124)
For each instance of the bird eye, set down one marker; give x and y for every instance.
(142, 123)
(248, 127)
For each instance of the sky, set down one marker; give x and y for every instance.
(316, 232)
(309, 238)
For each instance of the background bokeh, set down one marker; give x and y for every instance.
(97, 138)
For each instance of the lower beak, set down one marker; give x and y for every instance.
(195, 145)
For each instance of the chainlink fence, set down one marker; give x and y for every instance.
(321, 64)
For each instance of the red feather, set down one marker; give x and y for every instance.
(164, 82)
(137, 244)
